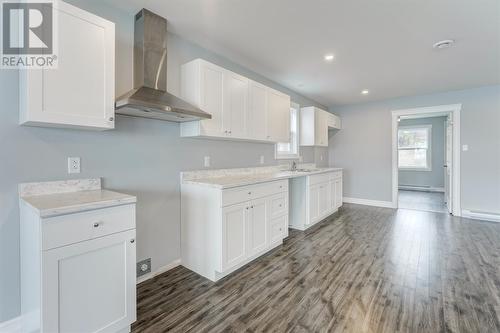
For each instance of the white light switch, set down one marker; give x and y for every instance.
(465, 147)
(206, 161)
(261, 159)
(73, 164)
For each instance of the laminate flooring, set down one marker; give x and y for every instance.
(364, 269)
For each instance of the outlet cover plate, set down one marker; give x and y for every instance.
(73, 164)
(143, 267)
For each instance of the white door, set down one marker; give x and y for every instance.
(448, 164)
(324, 199)
(235, 104)
(257, 226)
(257, 111)
(90, 286)
(211, 90)
(320, 128)
(313, 203)
(234, 234)
(81, 91)
(278, 117)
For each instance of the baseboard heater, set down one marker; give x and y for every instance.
(481, 215)
(425, 188)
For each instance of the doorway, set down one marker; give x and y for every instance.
(426, 159)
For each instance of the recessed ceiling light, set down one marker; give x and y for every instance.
(365, 92)
(329, 57)
(443, 44)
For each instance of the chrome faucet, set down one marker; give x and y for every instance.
(293, 166)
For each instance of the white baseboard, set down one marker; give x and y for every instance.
(367, 202)
(11, 326)
(421, 188)
(492, 217)
(159, 271)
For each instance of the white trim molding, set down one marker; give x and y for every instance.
(11, 326)
(452, 110)
(163, 269)
(485, 216)
(368, 202)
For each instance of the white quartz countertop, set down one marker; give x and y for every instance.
(67, 197)
(234, 180)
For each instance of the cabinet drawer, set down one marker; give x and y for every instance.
(278, 205)
(335, 175)
(68, 229)
(278, 229)
(321, 178)
(245, 193)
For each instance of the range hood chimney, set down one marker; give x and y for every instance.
(149, 98)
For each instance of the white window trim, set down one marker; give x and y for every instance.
(429, 148)
(286, 156)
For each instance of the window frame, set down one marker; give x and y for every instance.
(294, 107)
(428, 128)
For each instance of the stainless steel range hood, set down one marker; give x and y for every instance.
(149, 98)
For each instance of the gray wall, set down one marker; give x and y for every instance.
(142, 157)
(363, 146)
(433, 178)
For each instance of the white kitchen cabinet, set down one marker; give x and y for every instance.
(314, 125)
(224, 229)
(257, 111)
(278, 116)
(80, 92)
(241, 109)
(78, 269)
(314, 197)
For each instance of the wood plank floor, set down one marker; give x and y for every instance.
(364, 269)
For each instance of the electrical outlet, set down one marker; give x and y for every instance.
(261, 159)
(143, 267)
(206, 161)
(73, 164)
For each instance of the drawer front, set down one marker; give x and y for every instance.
(68, 229)
(320, 178)
(335, 175)
(278, 229)
(251, 192)
(278, 205)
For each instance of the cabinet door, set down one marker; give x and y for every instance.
(278, 117)
(234, 234)
(321, 128)
(338, 192)
(81, 91)
(235, 104)
(323, 199)
(211, 96)
(257, 226)
(90, 286)
(257, 111)
(313, 203)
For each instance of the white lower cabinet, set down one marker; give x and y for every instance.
(78, 270)
(223, 230)
(314, 198)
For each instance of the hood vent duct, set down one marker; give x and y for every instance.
(149, 98)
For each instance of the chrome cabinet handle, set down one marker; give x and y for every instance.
(96, 224)
(249, 193)
(111, 118)
(132, 240)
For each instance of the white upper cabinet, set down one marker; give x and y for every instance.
(241, 109)
(257, 111)
(278, 116)
(80, 92)
(314, 125)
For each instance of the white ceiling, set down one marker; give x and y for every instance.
(381, 45)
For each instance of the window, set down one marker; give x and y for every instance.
(290, 150)
(414, 147)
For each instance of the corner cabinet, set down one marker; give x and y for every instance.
(80, 92)
(78, 270)
(315, 197)
(241, 109)
(224, 229)
(314, 126)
